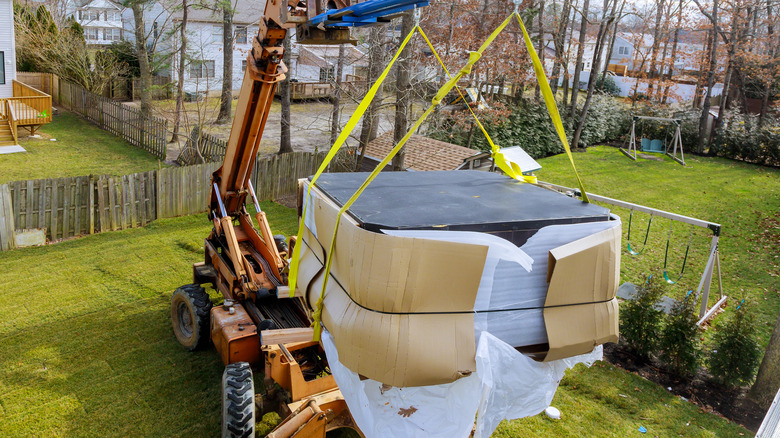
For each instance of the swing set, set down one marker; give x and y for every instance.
(676, 142)
(713, 260)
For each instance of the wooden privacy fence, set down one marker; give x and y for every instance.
(147, 132)
(68, 207)
(184, 190)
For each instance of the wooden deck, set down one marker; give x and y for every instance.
(28, 107)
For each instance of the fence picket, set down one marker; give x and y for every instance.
(72, 206)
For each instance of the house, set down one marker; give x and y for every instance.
(423, 153)
(204, 68)
(102, 20)
(7, 49)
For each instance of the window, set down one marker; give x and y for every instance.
(202, 69)
(243, 65)
(112, 34)
(89, 15)
(327, 74)
(241, 34)
(2, 68)
(622, 50)
(113, 16)
(91, 33)
(216, 33)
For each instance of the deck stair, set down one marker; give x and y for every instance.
(6, 134)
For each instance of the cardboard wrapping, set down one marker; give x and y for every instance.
(400, 309)
(374, 275)
(580, 309)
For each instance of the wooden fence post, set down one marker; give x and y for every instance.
(7, 234)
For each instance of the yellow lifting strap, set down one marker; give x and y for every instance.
(549, 100)
(507, 166)
(353, 120)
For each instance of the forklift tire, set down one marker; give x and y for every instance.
(238, 401)
(190, 316)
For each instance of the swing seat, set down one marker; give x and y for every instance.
(652, 145)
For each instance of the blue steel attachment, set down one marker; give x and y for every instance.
(365, 13)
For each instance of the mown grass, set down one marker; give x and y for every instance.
(81, 149)
(86, 349)
(743, 198)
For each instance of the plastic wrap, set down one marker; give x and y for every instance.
(507, 385)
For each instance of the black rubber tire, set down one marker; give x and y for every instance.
(191, 316)
(238, 401)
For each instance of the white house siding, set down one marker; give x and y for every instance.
(8, 47)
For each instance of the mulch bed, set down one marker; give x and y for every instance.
(701, 390)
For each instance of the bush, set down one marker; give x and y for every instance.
(735, 352)
(606, 84)
(742, 139)
(640, 322)
(679, 341)
(608, 120)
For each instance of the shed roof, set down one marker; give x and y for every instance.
(422, 153)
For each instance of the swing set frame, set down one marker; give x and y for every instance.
(676, 139)
(713, 260)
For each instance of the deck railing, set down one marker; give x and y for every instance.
(31, 106)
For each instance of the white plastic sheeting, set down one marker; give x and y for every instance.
(507, 385)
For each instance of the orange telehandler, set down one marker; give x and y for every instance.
(258, 324)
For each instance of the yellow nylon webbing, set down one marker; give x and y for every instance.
(549, 100)
(348, 128)
(510, 168)
(446, 88)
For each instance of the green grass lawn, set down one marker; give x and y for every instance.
(743, 198)
(86, 349)
(81, 149)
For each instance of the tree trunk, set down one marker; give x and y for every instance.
(180, 70)
(143, 58)
(705, 110)
(605, 23)
(226, 100)
(611, 46)
(674, 51)
(558, 44)
(403, 93)
(566, 59)
(770, 34)
(578, 64)
(335, 118)
(285, 145)
(369, 126)
(768, 378)
(654, 52)
(540, 50)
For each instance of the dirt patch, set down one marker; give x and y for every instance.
(289, 201)
(701, 390)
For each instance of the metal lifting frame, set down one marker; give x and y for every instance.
(677, 139)
(713, 261)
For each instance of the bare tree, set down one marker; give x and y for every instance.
(606, 21)
(370, 123)
(226, 99)
(335, 122)
(180, 72)
(403, 93)
(137, 7)
(285, 145)
(578, 65)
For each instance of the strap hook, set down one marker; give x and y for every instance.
(517, 5)
(416, 16)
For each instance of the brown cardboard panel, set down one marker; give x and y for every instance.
(584, 271)
(574, 330)
(401, 275)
